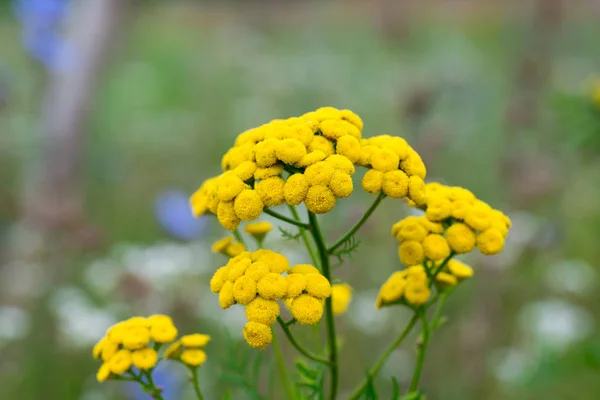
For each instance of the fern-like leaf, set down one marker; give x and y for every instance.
(346, 249)
(288, 235)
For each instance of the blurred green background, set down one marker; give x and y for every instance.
(97, 153)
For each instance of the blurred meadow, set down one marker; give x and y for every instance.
(100, 147)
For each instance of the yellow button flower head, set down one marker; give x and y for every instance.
(341, 184)
(417, 191)
(332, 129)
(416, 292)
(311, 158)
(193, 357)
(411, 252)
(195, 340)
(411, 229)
(318, 286)
(372, 181)
(257, 270)
(319, 173)
(259, 229)
(324, 113)
(162, 329)
(413, 165)
(276, 262)
(349, 147)
(173, 351)
(446, 279)
(263, 311)
(244, 290)
(322, 144)
(226, 298)
(460, 209)
(341, 163)
(120, 362)
(220, 246)
(290, 150)
(295, 189)
(461, 238)
(270, 191)
(268, 172)
(385, 160)
(399, 146)
(272, 286)
(245, 170)
(416, 273)
(459, 269)
(99, 347)
(392, 290)
(438, 209)
(235, 249)
(266, 154)
(395, 184)
(248, 205)
(302, 132)
(103, 373)
(136, 337)
(352, 118)
(145, 358)
(296, 284)
(436, 247)
(227, 215)
(341, 295)
(258, 335)
(237, 267)
(218, 279)
(303, 269)
(307, 309)
(490, 242)
(478, 218)
(319, 199)
(229, 187)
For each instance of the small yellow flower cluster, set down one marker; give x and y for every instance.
(189, 349)
(395, 168)
(227, 246)
(255, 280)
(467, 221)
(453, 273)
(408, 286)
(130, 344)
(419, 239)
(341, 295)
(317, 149)
(258, 230)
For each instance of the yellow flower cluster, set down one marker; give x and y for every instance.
(395, 168)
(341, 295)
(227, 246)
(131, 343)
(409, 286)
(452, 273)
(258, 230)
(317, 150)
(189, 349)
(255, 280)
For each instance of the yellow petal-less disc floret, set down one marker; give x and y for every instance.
(341, 163)
(258, 335)
(411, 229)
(319, 199)
(372, 181)
(163, 330)
(136, 337)
(461, 238)
(276, 262)
(296, 284)
(385, 160)
(303, 269)
(446, 279)
(311, 158)
(145, 358)
(227, 216)
(341, 295)
(295, 189)
(459, 269)
(272, 286)
(120, 362)
(173, 351)
(237, 266)
(411, 252)
(321, 144)
(220, 246)
(244, 290)
(490, 242)
(341, 184)
(266, 154)
(218, 279)
(235, 249)
(195, 340)
(193, 357)
(259, 229)
(435, 247)
(226, 298)
(395, 184)
(438, 209)
(270, 191)
(103, 373)
(349, 147)
(263, 311)
(245, 170)
(229, 187)
(417, 191)
(248, 205)
(392, 290)
(319, 173)
(318, 286)
(268, 172)
(257, 270)
(290, 150)
(307, 309)
(416, 292)
(352, 118)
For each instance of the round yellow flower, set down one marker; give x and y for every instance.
(461, 238)
(229, 187)
(416, 273)
(136, 337)
(303, 269)
(237, 267)
(258, 335)
(411, 229)
(349, 147)
(259, 229)
(392, 290)
(307, 309)
(399, 146)
(158, 319)
(478, 218)
(322, 144)
(385, 160)
(395, 184)
(341, 294)
(270, 191)
(220, 246)
(417, 191)
(438, 209)
(413, 165)
(226, 298)
(352, 118)
(257, 270)
(266, 153)
(416, 292)
(218, 279)
(193, 357)
(295, 189)
(318, 286)
(319, 199)
(269, 172)
(411, 252)
(459, 269)
(227, 215)
(145, 358)
(109, 349)
(163, 330)
(235, 249)
(99, 347)
(120, 362)
(263, 311)
(372, 181)
(341, 163)
(319, 173)
(272, 286)
(103, 372)
(173, 351)
(446, 279)
(244, 290)
(248, 205)
(341, 184)
(245, 170)
(435, 247)
(323, 113)
(302, 132)
(296, 284)
(195, 340)
(290, 150)
(490, 242)
(311, 158)
(276, 262)
(350, 129)
(433, 227)
(332, 129)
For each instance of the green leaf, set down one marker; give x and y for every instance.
(346, 249)
(395, 389)
(288, 235)
(413, 396)
(306, 372)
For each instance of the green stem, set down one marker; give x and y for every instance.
(156, 393)
(375, 369)
(305, 238)
(282, 368)
(285, 219)
(414, 383)
(238, 236)
(195, 383)
(329, 319)
(294, 342)
(439, 269)
(358, 225)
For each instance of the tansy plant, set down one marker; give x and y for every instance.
(311, 160)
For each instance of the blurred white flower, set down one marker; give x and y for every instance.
(14, 323)
(571, 276)
(510, 365)
(365, 317)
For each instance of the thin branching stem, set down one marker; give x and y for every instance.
(286, 219)
(298, 346)
(305, 238)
